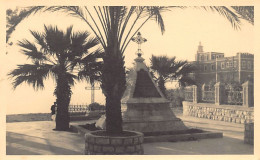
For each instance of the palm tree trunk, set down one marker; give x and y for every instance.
(113, 115)
(63, 93)
(113, 84)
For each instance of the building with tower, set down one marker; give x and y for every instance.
(215, 67)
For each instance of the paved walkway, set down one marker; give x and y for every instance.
(38, 138)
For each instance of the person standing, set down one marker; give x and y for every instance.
(53, 111)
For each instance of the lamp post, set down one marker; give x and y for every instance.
(216, 70)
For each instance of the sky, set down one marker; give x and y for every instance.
(185, 28)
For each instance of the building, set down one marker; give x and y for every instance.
(215, 67)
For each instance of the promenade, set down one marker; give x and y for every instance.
(38, 138)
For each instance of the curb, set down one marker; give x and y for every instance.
(163, 138)
(80, 130)
(183, 137)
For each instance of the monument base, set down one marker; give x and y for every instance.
(155, 126)
(150, 117)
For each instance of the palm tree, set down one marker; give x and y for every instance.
(165, 69)
(54, 53)
(114, 26)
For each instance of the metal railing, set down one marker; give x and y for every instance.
(234, 97)
(188, 94)
(78, 109)
(208, 96)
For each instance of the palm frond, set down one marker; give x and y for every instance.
(73, 11)
(30, 50)
(56, 40)
(168, 69)
(122, 28)
(40, 39)
(183, 69)
(246, 12)
(81, 46)
(156, 14)
(186, 81)
(71, 78)
(68, 33)
(91, 69)
(33, 74)
(227, 13)
(78, 40)
(14, 17)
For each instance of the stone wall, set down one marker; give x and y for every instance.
(228, 113)
(249, 133)
(110, 145)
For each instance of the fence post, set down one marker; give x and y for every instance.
(195, 93)
(248, 94)
(202, 91)
(219, 93)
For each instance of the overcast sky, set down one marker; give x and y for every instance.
(184, 30)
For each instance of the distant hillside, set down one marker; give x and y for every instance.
(28, 117)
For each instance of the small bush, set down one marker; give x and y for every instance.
(176, 96)
(96, 106)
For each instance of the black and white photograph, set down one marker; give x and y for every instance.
(99, 79)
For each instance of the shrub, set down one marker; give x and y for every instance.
(96, 106)
(176, 96)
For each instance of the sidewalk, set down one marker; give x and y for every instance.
(38, 138)
(231, 143)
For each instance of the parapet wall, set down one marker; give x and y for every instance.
(228, 113)
(246, 55)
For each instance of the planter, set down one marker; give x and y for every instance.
(97, 143)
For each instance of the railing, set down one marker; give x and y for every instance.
(208, 96)
(188, 94)
(78, 109)
(208, 93)
(234, 97)
(222, 94)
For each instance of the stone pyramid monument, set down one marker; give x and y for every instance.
(144, 107)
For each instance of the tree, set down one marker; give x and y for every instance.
(165, 69)
(114, 27)
(54, 53)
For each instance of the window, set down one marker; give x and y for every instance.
(235, 63)
(212, 67)
(222, 65)
(230, 64)
(243, 64)
(249, 65)
(227, 64)
(205, 68)
(213, 57)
